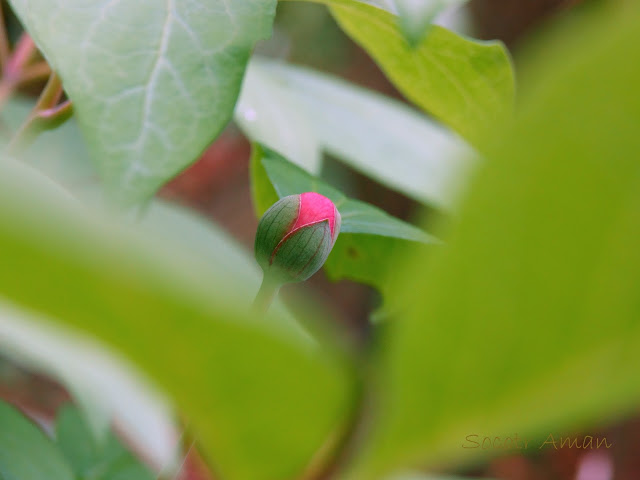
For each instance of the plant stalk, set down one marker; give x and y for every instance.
(46, 115)
(268, 291)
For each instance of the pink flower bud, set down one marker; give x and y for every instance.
(295, 236)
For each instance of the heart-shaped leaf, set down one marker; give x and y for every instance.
(153, 82)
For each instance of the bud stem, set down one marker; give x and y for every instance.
(268, 290)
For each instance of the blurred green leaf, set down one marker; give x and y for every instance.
(208, 244)
(425, 476)
(129, 470)
(149, 105)
(106, 460)
(467, 84)
(379, 136)
(416, 16)
(528, 321)
(61, 154)
(25, 452)
(75, 440)
(388, 5)
(244, 387)
(268, 113)
(106, 388)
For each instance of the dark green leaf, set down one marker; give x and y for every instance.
(361, 217)
(130, 469)
(75, 440)
(357, 217)
(92, 458)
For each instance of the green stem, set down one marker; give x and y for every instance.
(266, 294)
(46, 115)
(51, 93)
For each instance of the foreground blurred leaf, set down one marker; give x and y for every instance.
(209, 245)
(25, 452)
(61, 155)
(529, 320)
(416, 16)
(245, 388)
(108, 390)
(149, 105)
(467, 84)
(297, 111)
(424, 476)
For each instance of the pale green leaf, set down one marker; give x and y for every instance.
(381, 137)
(153, 81)
(528, 321)
(268, 113)
(25, 452)
(244, 387)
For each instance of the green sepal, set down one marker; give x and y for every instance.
(273, 226)
(303, 253)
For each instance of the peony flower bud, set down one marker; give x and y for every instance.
(295, 237)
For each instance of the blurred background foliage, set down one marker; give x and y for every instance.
(547, 234)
